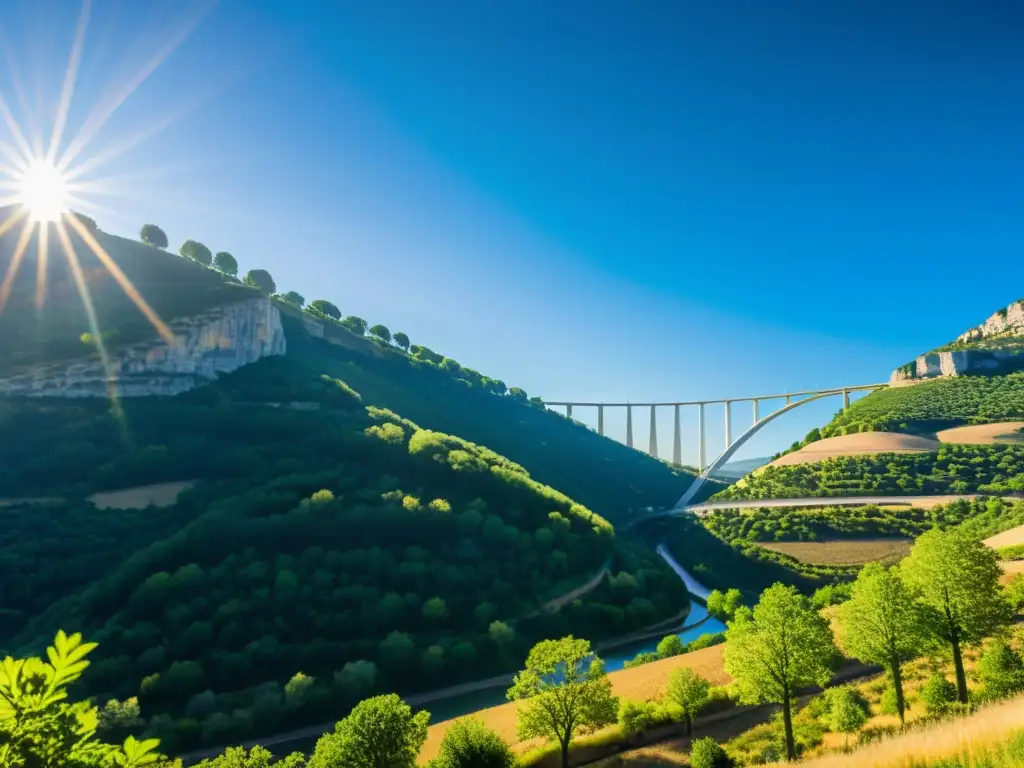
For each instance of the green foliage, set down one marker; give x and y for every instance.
(325, 308)
(257, 757)
(670, 645)
(640, 659)
(294, 297)
(689, 692)
(40, 729)
(151, 234)
(832, 594)
(635, 717)
(381, 332)
(958, 579)
(565, 692)
(1000, 670)
(952, 469)
(227, 264)
(86, 221)
(778, 648)
(883, 623)
(402, 340)
(708, 753)
(261, 280)
(381, 732)
(355, 324)
(468, 743)
(938, 694)
(198, 252)
(847, 709)
(723, 606)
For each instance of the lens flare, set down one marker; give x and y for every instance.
(43, 191)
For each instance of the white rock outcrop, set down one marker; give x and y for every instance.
(207, 345)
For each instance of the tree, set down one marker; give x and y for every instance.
(226, 263)
(708, 753)
(294, 297)
(937, 694)
(883, 623)
(688, 691)
(40, 729)
(1000, 670)
(355, 324)
(356, 678)
(381, 332)
(151, 234)
(381, 732)
(670, 645)
(501, 633)
(566, 692)
(191, 249)
(324, 307)
(402, 340)
(435, 610)
(776, 649)
(958, 578)
(470, 744)
(847, 710)
(257, 757)
(261, 279)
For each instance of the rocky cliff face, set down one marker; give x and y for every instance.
(219, 341)
(994, 347)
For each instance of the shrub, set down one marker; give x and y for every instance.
(637, 716)
(938, 694)
(470, 744)
(708, 753)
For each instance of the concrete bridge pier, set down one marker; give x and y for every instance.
(568, 411)
(652, 447)
(629, 426)
(728, 425)
(846, 399)
(677, 442)
(703, 459)
(757, 404)
(600, 420)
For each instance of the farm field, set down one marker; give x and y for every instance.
(141, 496)
(640, 683)
(842, 551)
(1006, 538)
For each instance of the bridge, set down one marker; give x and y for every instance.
(792, 400)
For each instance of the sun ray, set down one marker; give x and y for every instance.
(15, 265)
(15, 129)
(126, 285)
(14, 156)
(13, 219)
(41, 261)
(70, 75)
(19, 92)
(98, 118)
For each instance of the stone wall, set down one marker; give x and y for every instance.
(215, 342)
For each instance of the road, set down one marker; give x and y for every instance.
(923, 502)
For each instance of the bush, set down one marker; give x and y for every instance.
(1000, 671)
(938, 694)
(470, 744)
(708, 753)
(638, 716)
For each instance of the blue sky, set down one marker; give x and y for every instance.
(594, 200)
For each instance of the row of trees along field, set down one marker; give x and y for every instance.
(952, 469)
(944, 597)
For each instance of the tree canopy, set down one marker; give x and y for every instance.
(294, 297)
(778, 648)
(192, 249)
(261, 279)
(381, 732)
(688, 691)
(226, 263)
(468, 743)
(402, 340)
(565, 692)
(324, 307)
(958, 578)
(151, 234)
(381, 332)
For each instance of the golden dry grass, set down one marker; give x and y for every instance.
(983, 434)
(1008, 538)
(971, 736)
(842, 551)
(1010, 569)
(141, 496)
(647, 681)
(858, 444)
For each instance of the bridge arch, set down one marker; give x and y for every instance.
(727, 454)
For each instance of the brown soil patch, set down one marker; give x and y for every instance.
(858, 444)
(1010, 569)
(842, 551)
(647, 681)
(141, 496)
(983, 434)
(1006, 538)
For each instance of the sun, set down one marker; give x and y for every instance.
(43, 191)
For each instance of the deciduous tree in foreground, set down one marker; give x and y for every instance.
(381, 732)
(470, 744)
(958, 578)
(882, 623)
(781, 646)
(688, 691)
(565, 691)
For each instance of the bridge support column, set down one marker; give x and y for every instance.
(652, 447)
(629, 426)
(677, 442)
(568, 411)
(757, 403)
(728, 424)
(600, 420)
(789, 399)
(703, 457)
(846, 399)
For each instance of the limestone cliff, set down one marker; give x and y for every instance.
(993, 347)
(207, 345)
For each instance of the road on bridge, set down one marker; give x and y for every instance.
(923, 502)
